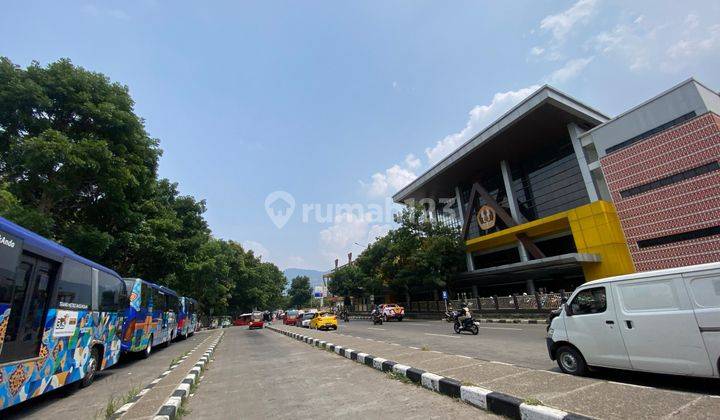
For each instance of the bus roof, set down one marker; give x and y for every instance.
(47, 248)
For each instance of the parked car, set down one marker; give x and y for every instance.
(324, 321)
(306, 318)
(665, 321)
(291, 317)
(392, 311)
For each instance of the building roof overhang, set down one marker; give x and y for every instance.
(542, 115)
(533, 268)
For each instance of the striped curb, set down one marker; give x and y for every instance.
(485, 399)
(483, 320)
(128, 405)
(169, 410)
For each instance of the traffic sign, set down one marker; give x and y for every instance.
(444, 294)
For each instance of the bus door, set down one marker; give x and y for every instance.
(30, 299)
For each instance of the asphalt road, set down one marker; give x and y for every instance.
(260, 374)
(517, 344)
(89, 403)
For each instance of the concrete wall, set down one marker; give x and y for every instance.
(684, 98)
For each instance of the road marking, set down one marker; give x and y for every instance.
(443, 335)
(414, 348)
(501, 363)
(501, 328)
(378, 329)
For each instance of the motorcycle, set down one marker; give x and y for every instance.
(449, 316)
(377, 319)
(468, 324)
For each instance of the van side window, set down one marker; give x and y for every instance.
(589, 301)
(706, 291)
(647, 296)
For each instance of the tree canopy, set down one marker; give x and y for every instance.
(418, 255)
(78, 166)
(300, 292)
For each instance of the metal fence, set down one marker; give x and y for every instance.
(538, 302)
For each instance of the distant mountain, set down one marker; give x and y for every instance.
(315, 275)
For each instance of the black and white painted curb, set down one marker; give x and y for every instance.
(483, 320)
(485, 399)
(125, 407)
(169, 410)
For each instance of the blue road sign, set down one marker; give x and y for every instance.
(445, 295)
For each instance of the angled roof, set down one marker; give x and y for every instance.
(572, 109)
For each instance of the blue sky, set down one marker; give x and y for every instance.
(345, 102)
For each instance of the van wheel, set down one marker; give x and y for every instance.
(571, 361)
(146, 353)
(93, 366)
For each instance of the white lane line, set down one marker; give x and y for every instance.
(501, 328)
(443, 335)
(414, 348)
(501, 363)
(377, 329)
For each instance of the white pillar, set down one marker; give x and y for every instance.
(575, 132)
(512, 202)
(458, 200)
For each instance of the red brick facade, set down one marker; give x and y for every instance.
(680, 207)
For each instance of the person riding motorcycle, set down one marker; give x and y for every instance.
(464, 313)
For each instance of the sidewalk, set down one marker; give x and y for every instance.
(584, 396)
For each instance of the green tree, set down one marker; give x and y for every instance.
(300, 292)
(72, 148)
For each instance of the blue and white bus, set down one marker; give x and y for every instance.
(187, 318)
(60, 316)
(151, 317)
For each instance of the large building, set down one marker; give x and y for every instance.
(555, 193)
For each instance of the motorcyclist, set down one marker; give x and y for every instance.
(464, 313)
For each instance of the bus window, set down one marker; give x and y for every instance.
(34, 282)
(75, 286)
(111, 293)
(145, 291)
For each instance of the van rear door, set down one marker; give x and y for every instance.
(659, 328)
(704, 289)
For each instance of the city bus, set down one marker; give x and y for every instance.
(151, 317)
(187, 317)
(60, 316)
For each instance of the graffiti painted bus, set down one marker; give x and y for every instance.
(60, 316)
(151, 317)
(187, 317)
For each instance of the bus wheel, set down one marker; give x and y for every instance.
(146, 353)
(92, 368)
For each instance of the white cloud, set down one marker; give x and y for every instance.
(392, 179)
(258, 249)
(347, 232)
(294, 262)
(562, 23)
(412, 162)
(479, 118)
(537, 50)
(671, 46)
(695, 46)
(95, 11)
(569, 71)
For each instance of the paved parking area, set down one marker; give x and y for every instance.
(586, 396)
(261, 374)
(521, 345)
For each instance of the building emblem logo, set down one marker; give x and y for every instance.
(486, 217)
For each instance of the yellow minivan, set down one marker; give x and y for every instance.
(324, 321)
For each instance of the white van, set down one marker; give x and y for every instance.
(665, 321)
